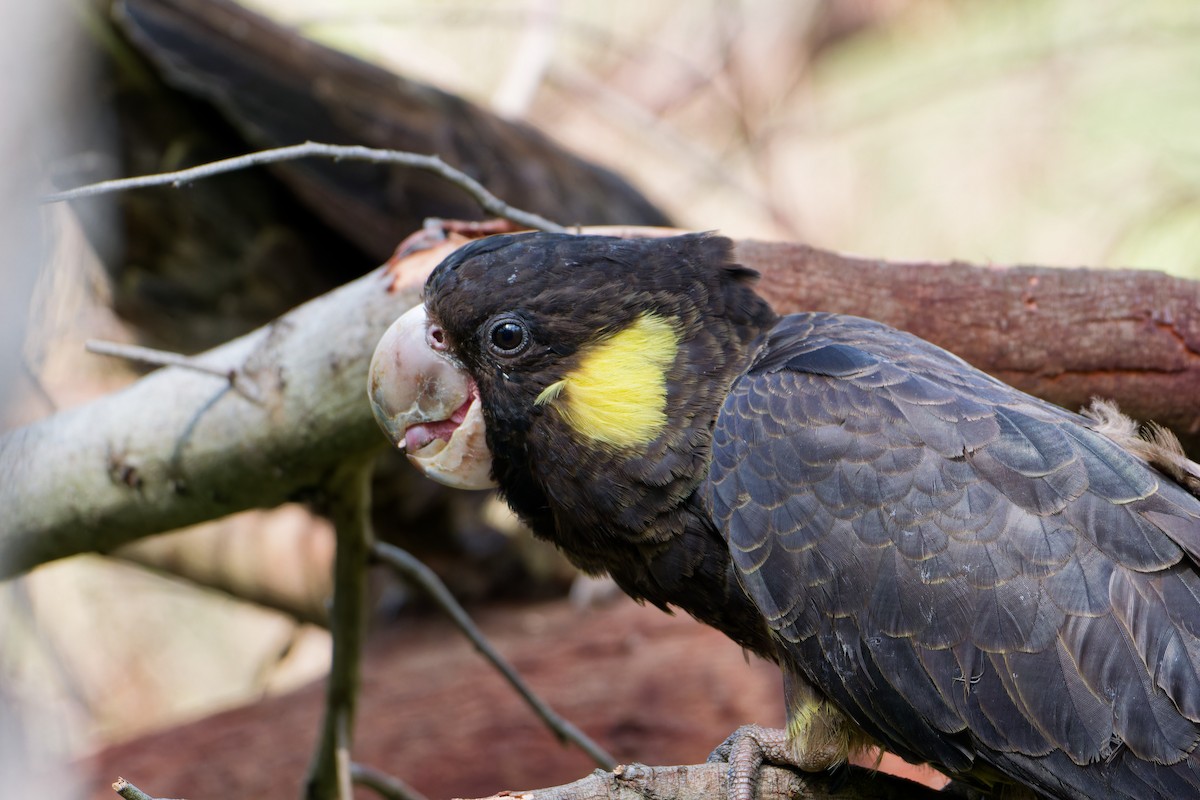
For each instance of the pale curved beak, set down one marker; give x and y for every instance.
(428, 405)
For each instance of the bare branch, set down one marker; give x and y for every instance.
(387, 786)
(165, 358)
(129, 791)
(173, 450)
(486, 200)
(708, 782)
(177, 448)
(349, 507)
(148, 355)
(411, 569)
(1065, 335)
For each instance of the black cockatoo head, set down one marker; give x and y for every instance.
(587, 354)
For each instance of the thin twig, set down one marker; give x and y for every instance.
(156, 358)
(387, 786)
(349, 508)
(129, 791)
(429, 163)
(413, 570)
(165, 358)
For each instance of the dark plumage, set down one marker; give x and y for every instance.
(958, 571)
(946, 545)
(631, 513)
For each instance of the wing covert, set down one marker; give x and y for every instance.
(923, 537)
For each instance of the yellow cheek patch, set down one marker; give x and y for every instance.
(618, 393)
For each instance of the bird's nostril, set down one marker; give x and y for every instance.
(436, 337)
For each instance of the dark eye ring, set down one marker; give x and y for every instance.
(508, 337)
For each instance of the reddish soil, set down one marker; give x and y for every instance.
(649, 687)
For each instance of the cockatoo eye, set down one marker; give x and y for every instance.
(508, 337)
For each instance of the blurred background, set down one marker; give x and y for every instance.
(1037, 131)
(1053, 132)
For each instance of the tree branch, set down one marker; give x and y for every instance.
(348, 505)
(129, 791)
(178, 447)
(411, 569)
(707, 782)
(1066, 335)
(163, 358)
(487, 201)
(386, 786)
